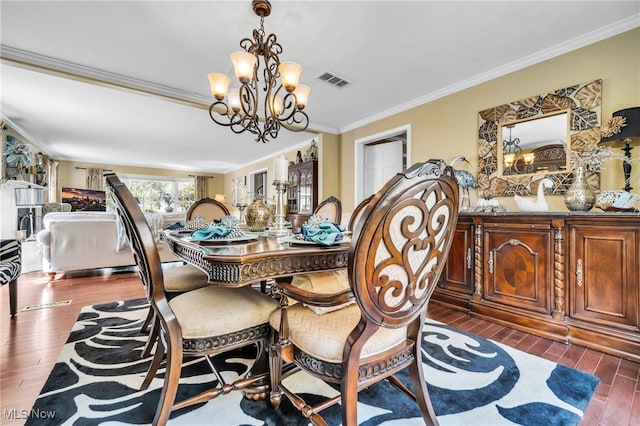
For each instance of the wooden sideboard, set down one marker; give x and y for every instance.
(570, 277)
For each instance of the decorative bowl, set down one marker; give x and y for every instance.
(617, 200)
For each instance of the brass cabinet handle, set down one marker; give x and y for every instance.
(490, 262)
(469, 259)
(579, 274)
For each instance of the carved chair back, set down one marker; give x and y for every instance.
(400, 243)
(331, 209)
(208, 208)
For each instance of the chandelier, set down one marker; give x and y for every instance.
(261, 109)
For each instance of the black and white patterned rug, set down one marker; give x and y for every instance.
(471, 380)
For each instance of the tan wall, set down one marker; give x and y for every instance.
(447, 127)
(329, 167)
(70, 176)
(328, 152)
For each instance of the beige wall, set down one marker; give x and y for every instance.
(70, 176)
(447, 127)
(328, 160)
(329, 167)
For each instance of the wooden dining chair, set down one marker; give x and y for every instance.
(399, 248)
(331, 209)
(203, 322)
(208, 208)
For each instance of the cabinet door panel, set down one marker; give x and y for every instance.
(604, 279)
(517, 269)
(458, 272)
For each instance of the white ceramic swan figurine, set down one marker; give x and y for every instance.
(539, 204)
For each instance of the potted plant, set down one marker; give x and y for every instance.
(169, 200)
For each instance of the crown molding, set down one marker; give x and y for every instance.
(54, 66)
(527, 61)
(50, 65)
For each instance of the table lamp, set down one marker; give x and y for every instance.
(629, 134)
(29, 197)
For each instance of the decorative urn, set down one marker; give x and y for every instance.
(257, 216)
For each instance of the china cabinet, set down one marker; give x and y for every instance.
(302, 193)
(572, 277)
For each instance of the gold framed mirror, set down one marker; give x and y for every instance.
(533, 134)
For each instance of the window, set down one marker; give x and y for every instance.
(157, 194)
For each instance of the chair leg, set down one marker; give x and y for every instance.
(154, 366)
(421, 392)
(147, 320)
(171, 381)
(154, 336)
(349, 391)
(275, 368)
(13, 297)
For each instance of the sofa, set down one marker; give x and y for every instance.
(76, 241)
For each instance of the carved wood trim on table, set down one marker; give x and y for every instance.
(243, 269)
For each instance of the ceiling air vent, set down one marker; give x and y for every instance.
(333, 80)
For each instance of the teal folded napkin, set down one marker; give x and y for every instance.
(325, 233)
(210, 232)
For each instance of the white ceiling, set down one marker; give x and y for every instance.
(397, 54)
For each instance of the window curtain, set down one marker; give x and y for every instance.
(201, 187)
(52, 173)
(94, 178)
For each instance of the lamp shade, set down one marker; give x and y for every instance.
(29, 197)
(219, 84)
(630, 131)
(290, 74)
(244, 64)
(302, 95)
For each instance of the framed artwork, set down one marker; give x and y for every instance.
(85, 199)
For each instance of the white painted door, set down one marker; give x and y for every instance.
(381, 162)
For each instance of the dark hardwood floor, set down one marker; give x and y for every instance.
(31, 343)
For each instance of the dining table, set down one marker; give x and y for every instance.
(256, 257)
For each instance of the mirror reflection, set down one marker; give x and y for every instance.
(534, 146)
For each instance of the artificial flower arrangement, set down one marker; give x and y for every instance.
(593, 159)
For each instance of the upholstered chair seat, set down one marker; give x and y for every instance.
(324, 336)
(236, 309)
(184, 278)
